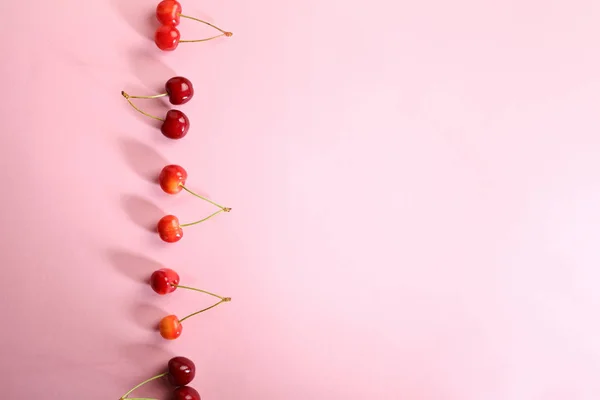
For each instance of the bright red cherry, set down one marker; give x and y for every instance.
(170, 327)
(172, 178)
(176, 124)
(164, 281)
(185, 393)
(182, 371)
(179, 89)
(167, 37)
(169, 229)
(167, 12)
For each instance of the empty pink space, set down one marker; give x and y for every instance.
(414, 190)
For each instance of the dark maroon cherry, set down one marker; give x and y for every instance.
(185, 393)
(175, 125)
(181, 371)
(180, 90)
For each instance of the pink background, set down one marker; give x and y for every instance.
(414, 184)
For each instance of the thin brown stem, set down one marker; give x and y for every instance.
(207, 23)
(127, 97)
(224, 300)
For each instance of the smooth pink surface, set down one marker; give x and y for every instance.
(415, 190)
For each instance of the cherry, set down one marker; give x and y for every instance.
(164, 281)
(179, 89)
(170, 327)
(172, 178)
(181, 371)
(175, 124)
(168, 11)
(167, 36)
(169, 229)
(185, 393)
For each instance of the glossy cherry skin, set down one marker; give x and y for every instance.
(181, 371)
(169, 327)
(169, 229)
(167, 37)
(175, 125)
(164, 281)
(185, 393)
(167, 12)
(172, 178)
(179, 89)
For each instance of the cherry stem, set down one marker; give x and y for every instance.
(223, 300)
(143, 112)
(138, 398)
(204, 40)
(203, 219)
(156, 96)
(207, 23)
(226, 209)
(143, 383)
(198, 290)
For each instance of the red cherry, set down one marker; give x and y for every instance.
(164, 281)
(172, 178)
(167, 12)
(181, 371)
(169, 229)
(167, 37)
(179, 89)
(169, 327)
(185, 393)
(175, 125)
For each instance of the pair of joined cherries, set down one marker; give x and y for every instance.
(175, 124)
(172, 180)
(166, 280)
(180, 372)
(167, 36)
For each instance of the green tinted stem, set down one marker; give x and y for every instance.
(202, 220)
(223, 300)
(143, 383)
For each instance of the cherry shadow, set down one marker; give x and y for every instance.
(139, 15)
(135, 266)
(148, 360)
(142, 212)
(147, 316)
(143, 159)
(151, 71)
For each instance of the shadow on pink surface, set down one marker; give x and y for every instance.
(135, 266)
(138, 15)
(141, 211)
(143, 159)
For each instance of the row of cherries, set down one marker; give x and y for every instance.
(172, 180)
